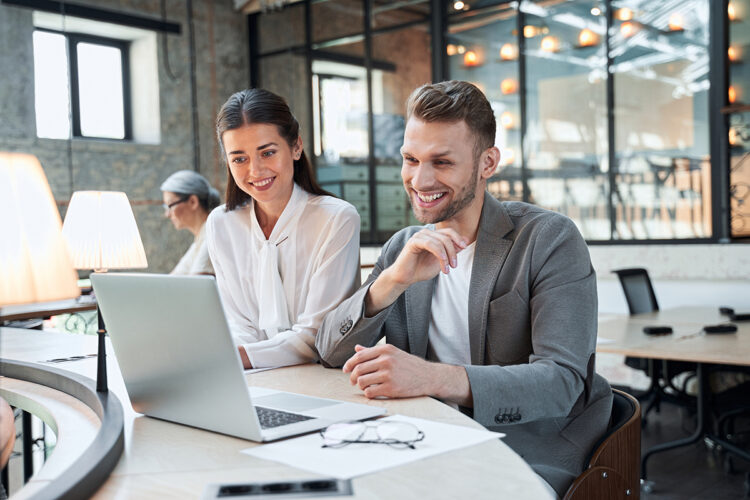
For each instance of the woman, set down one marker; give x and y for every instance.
(284, 251)
(188, 199)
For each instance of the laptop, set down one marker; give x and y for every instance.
(179, 362)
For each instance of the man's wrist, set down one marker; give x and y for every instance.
(450, 383)
(382, 293)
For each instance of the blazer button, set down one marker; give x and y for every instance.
(498, 419)
(346, 326)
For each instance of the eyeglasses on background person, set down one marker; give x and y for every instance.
(394, 434)
(168, 207)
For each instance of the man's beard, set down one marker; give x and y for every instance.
(462, 200)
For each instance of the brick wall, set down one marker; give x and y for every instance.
(221, 57)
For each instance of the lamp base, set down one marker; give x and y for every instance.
(101, 355)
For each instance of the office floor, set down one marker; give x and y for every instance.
(691, 473)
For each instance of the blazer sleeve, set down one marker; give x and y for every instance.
(563, 319)
(347, 325)
(336, 276)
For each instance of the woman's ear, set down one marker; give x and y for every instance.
(193, 201)
(297, 149)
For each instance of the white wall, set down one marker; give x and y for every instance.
(682, 275)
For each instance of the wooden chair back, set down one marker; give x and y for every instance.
(613, 470)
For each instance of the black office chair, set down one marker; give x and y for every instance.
(640, 296)
(639, 293)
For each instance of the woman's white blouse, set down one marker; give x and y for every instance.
(195, 260)
(316, 244)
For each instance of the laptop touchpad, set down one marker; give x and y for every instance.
(292, 402)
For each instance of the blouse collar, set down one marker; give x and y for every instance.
(287, 221)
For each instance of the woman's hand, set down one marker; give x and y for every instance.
(245, 360)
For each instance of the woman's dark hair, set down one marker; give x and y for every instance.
(252, 106)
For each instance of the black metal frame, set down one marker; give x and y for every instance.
(89, 471)
(193, 89)
(439, 19)
(719, 122)
(371, 170)
(611, 154)
(523, 114)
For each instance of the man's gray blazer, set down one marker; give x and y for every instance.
(532, 334)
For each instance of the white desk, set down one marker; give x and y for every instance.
(163, 460)
(47, 309)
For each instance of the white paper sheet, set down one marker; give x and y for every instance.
(256, 370)
(359, 459)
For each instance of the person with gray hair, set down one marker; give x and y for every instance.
(188, 199)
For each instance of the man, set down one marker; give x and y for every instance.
(491, 306)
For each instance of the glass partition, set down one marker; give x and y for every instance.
(280, 74)
(661, 76)
(332, 19)
(387, 13)
(738, 53)
(482, 48)
(566, 102)
(341, 139)
(271, 37)
(609, 126)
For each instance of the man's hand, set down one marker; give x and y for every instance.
(425, 254)
(245, 359)
(386, 371)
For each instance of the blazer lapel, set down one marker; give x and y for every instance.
(418, 306)
(489, 256)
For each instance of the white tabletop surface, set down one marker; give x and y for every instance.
(166, 460)
(623, 334)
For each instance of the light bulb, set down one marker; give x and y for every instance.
(508, 52)
(587, 38)
(627, 29)
(675, 22)
(550, 44)
(471, 58)
(508, 86)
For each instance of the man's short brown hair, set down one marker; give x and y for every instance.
(455, 101)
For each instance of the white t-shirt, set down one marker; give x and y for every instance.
(195, 260)
(449, 313)
(317, 244)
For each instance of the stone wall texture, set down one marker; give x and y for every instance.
(221, 60)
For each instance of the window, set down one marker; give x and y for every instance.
(738, 54)
(362, 60)
(81, 84)
(620, 114)
(626, 156)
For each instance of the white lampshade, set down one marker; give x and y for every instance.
(101, 232)
(34, 262)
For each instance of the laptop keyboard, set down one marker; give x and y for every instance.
(270, 418)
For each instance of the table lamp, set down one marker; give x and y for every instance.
(34, 262)
(102, 234)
